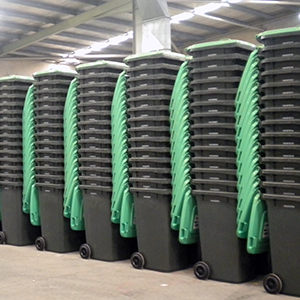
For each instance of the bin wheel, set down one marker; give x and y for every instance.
(137, 260)
(40, 244)
(85, 251)
(2, 237)
(272, 284)
(201, 270)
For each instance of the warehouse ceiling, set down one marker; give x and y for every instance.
(74, 31)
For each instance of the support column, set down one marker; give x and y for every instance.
(152, 28)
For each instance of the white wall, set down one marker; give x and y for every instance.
(26, 67)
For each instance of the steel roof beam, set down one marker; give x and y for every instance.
(178, 34)
(204, 27)
(104, 56)
(98, 29)
(44, 49)
(195, 25)
(250, 11)
(44, 6)
(179, 7)
(77, 36)
(27, 16)
(29, 54)
(20, 27)
(291, 8)
(126, 45)
(278, 2)
(90, 2)
(108, 51)
(228, 20)
(64, 43)
(117, 21)
(9, 36)
(62, 10)
(112, 7)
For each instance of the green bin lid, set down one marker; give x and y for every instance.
(102, 64)
(17, 78)
(55, 72)
(221, 44)
(156, 54)
(277, 33)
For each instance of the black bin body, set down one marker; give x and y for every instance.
(284, 241)
(56, 230)
(102, 235)
(15, 223)
(221, 249)
(157, 242)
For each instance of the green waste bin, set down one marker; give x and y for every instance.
(51, 91)
(280, 163)
(16, 227)
(151, 81)
(96, 86)
(224, 255)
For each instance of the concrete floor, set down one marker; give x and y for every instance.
(28, 274)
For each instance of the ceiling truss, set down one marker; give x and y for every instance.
(36, 29)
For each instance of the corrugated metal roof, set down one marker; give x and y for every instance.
(21, 19)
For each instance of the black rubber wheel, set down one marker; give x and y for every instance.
(85, 251)
(201, 270)
(40, 244)
(2, 237)
(272, 284)
(137, 260)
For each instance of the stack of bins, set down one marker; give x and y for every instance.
(281, 161)
(96, 86)
(217, 68)
(151, 80)
(16, 226)
(252, 221)
(51, 91)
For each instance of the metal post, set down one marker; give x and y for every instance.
(152, 28)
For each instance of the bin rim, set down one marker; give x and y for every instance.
(221, 43)
(278, 33)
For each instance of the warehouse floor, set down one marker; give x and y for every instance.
(28, 274)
